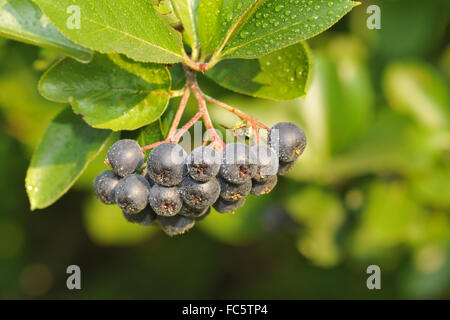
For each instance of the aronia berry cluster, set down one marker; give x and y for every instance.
(177, 189)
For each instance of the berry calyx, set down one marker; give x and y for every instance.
(203, 164)
(199, 195)
(165, 201)
(238, 163)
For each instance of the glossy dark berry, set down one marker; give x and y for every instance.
(223, 206)
(145, 218)
(132, 193)
(288, 140)
(203, 164)
(231, 192)
(266, 161)
(105, 186)
(165, 164)
(192, 213)
(260, 188)
(199, 195)
(238, 163)
(150, 180)
(175, 225)
(125, 157)
(165, 201)
(285, 167)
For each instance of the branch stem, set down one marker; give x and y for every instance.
(179, 114)
(237, 112)
(186, 127)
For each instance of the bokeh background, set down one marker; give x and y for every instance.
(373, 186)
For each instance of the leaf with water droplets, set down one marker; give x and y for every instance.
(277, 24)
(218, 20)
(112, 92)
(186, 10)
(22, 20)
(65, 150)
(130, 27)
(281, 75)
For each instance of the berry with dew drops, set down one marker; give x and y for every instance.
(224, 206)
(165, 164)
(192, 213)
(105, 186)
(203, 164)
(238, 163)
(165, 201)
(175, 225)
(288, 140)
(264, 187)
(266, 162)
(231, 192)
(125, 157)
(132, 193)
(145, 218)
(199, 195)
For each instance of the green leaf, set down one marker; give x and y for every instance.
(111, 92)
(280, 23)
(186, 10)
(166, 12)
(131, 27)
(22, 20)
(67, 147)
(219, 19)
(281, 75)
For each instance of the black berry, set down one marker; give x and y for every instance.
(145, 218)
(165, 201)
(150, 180)
(175, 225)
(199, 195)
(192, 213)
(266, 162)
(132, 193)
(238, 163)
(260, 188)
(125, 157)
(231, 192)
(105, 186)
(288, 140)
(223, 206)
(165, 164)
(203, 164)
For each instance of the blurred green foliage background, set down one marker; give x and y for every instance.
(373, 186)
